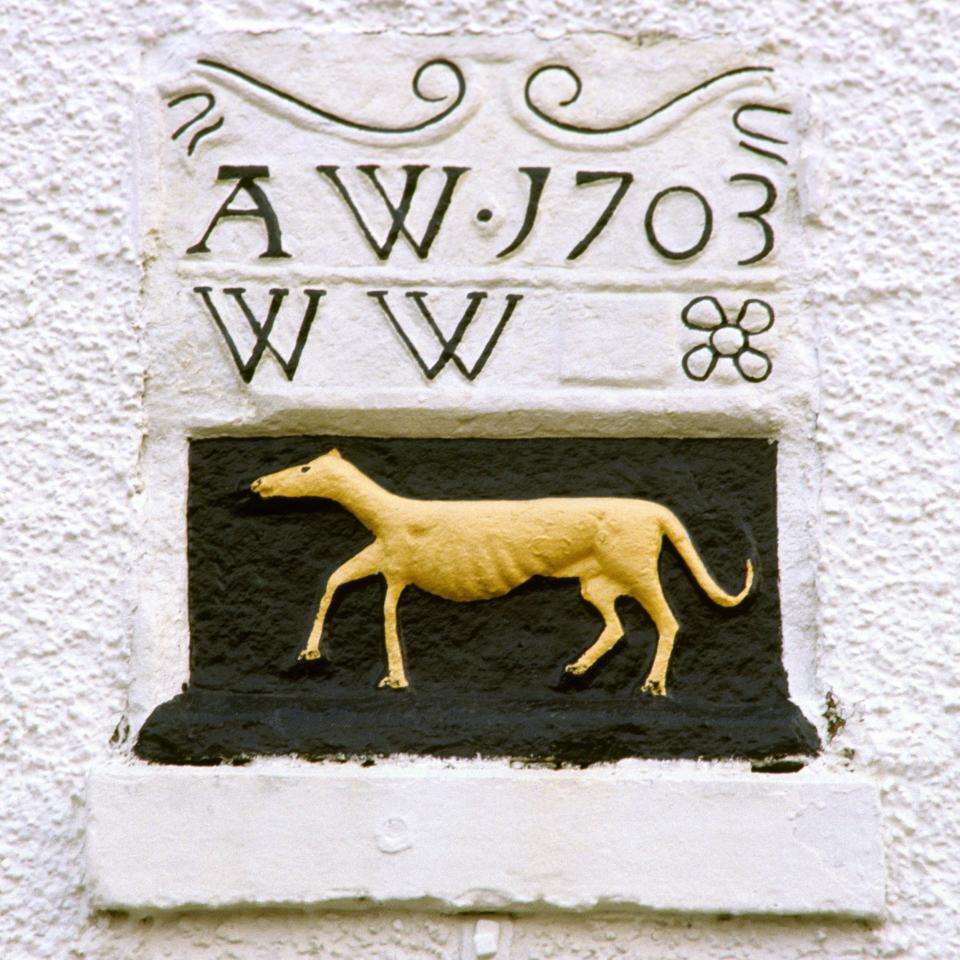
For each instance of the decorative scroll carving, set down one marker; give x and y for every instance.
(620, 127)
(204, 131)
(756, 135)
(269, 88)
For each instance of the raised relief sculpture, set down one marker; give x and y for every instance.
(479, 549)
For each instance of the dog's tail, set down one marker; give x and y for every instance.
(674, 530)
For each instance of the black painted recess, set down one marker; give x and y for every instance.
(486, 677)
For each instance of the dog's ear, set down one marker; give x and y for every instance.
(335, 453)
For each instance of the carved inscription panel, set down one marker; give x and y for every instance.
(448, 215)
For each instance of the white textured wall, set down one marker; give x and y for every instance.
(884, 82)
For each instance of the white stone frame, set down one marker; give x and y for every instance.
(470, 835)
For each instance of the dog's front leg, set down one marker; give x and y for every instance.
(365, 564)
(396, 677)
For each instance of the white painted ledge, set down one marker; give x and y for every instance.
(685, 837)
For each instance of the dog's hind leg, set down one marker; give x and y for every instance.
(602, 593)
(364, 564)
(396, 678)
(649, 594)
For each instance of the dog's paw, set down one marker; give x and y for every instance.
(570, 678)
(575, 669)
(309, 655)
(304, 668)
(655, 687)
(392, 683)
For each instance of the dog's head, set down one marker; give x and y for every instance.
(318, 478)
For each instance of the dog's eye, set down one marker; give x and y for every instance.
(304, 469)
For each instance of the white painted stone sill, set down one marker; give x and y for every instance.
(691, 837)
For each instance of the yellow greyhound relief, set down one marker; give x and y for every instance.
(478, 549)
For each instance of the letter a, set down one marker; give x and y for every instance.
(246, 178)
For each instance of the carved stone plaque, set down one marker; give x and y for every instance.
(476, 370)
(479, 486)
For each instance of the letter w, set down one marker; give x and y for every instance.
(262, 331)
(398, 213)
(448, 347)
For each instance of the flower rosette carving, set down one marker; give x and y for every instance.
(728, 339)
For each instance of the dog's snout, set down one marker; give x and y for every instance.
(255, 486)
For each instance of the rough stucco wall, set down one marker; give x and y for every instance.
(884, 84)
